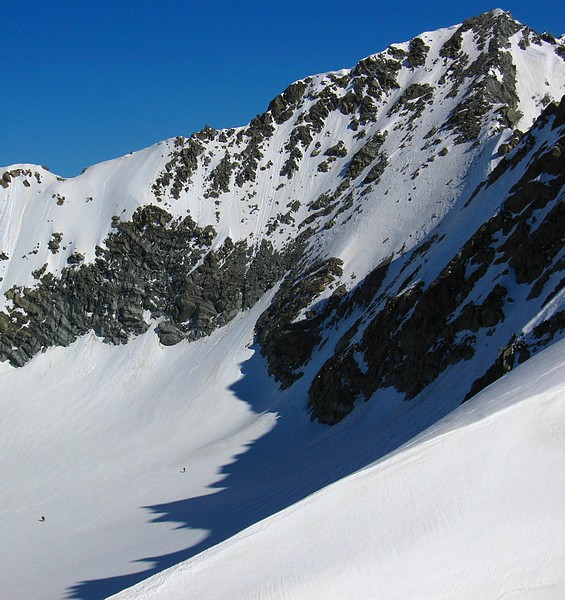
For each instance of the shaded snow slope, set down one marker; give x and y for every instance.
(94, 438)
(93, 434)
(471, 508)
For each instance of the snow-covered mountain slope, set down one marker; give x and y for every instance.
(359, 165)
(381, 244)
(93, 434)
(481, 293)
(471, 508)
(94, 438)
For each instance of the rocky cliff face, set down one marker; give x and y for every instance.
(407, 221)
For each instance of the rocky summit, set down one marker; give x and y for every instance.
(404, 218)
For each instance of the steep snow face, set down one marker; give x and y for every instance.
(468, 509)
(479, 295)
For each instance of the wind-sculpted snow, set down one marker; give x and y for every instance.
(388, 240)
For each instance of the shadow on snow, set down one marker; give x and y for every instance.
(293, 460)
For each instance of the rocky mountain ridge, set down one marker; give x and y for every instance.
(406, 221)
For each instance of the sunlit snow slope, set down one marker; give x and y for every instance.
(369, 159)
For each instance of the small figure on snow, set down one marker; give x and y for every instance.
(183, 470)
(42, 520)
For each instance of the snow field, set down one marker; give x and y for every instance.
(471, 508)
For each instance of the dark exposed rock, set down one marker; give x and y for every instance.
(7, 176)
(259, 130)
(452, 47)
(532, 252)
(508, 146)
(75, 258)
(397, 53)
(291, 164)
(487, 89)
(288, 343)
(380, 74)
(152, 265)
(169, 334)
(139, 270)
(350, 102)
(491, 25)
(181, 166)
(417, 52)
(316, 150)
(376, 171)
(319, 111)
(515, 352)
(365, 156)
(407, 344)
(414, 100)
(467, 118)
(282, 107)
(337, 150)
(488, 314)
(302, 135)
(207, 134)
(38, 273)
(55, 242)
(546, 331)
(335, 389)
(221, 174)
(412, 335)
(321, 201)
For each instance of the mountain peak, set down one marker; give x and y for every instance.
(385, 240)
(498, 12)
(261, 199)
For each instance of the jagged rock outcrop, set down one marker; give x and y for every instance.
(370, 198)
(286, 337)
(421, 329)
(152, 267)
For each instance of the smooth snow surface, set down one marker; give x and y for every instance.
(471, 508)
(94, 438)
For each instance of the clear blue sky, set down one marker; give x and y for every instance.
(89, 80)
